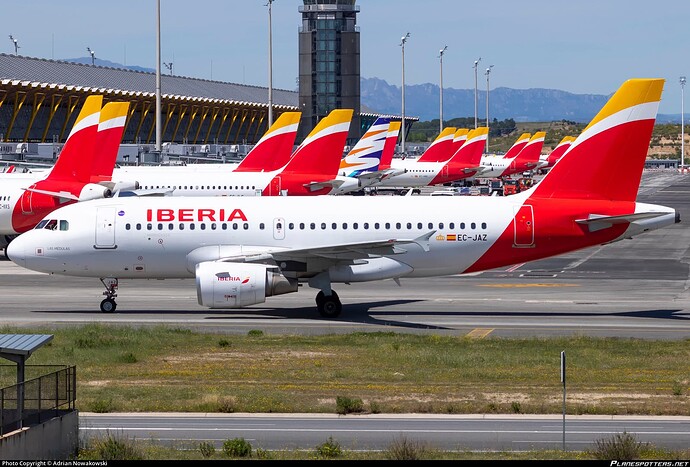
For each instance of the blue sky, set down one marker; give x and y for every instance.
(582, 46)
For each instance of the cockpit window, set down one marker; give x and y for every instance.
(41, 224)
(64, 225)
(52, 224)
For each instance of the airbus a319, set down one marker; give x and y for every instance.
(241, 250)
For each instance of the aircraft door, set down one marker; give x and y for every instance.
(105, 228)
(27, 208)
(275, 186)
(523, 224)
(279, 228)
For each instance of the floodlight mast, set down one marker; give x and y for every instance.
(402, 123)
(169, 66)
(93, 55)
(476, 62)
(270, 65)
(16, 44)
(440, 56)
(488, 71)
(682, 123)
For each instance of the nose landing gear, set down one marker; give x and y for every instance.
(108, 304)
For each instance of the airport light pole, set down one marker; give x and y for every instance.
(403, 39)
(476, 62)
(270, 66)
(169, 66)
(682, 122)
(488, 71)
(16, 45)
(93, 55)
(440, 56)
(158, 77)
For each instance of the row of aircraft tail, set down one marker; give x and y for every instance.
(86, 167)
(242, 249)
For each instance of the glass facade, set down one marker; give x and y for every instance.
(329, 62)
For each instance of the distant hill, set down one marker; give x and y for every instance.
(107, 63)
(522, 105)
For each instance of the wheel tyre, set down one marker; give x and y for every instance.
(108, 305)
(328, 306)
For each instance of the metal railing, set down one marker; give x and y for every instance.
(44, 397)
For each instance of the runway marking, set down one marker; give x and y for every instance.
(479, 333)
(578, 262)
(513, 268)
(527, 285)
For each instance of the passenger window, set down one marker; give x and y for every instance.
(291, 226)
(262, 226)
(323, 226)
(301, 225)
(202, 226)
(344, 225)
(234, 226)
(181, 226)
(224, 226)
(473, 225)
(128, 226)
(409, 226)
(451, 225)
(334, 226)
(245, 226)
(171, 226)
(462, 225)
(366, 226)
(388, 225)
(213, 226)
(160, 226)
(312, 226)
(192, 226)
(376, 225)
(440, 225)
(431, 225)
(398, 225)
(355, 226)
(149, 226)
(420, 225)
(483, 225)
(138, 226)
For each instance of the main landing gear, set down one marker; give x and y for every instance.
(108, 304)
(329, 306)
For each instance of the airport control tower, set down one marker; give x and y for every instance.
(329, 62)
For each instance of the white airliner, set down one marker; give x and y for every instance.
(314, 162)
(242, 249)
(526, 159)
(82, 172)
(463, 164)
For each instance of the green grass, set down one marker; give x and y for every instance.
(122, 368)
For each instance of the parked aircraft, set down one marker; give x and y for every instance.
(550, 159)
(441, 149)
(310, 170)
(527, 159)
(243, 249)
(270, 153)
(76, 176)
(463, 164)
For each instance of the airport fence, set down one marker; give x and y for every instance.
(36, 400)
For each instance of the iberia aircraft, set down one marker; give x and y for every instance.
(76, 176)
(441, 149)
(550, 159)
(463, 164)
(361, 167)
(242, 249)
(314, 162)
(270, 153)
(527, 159)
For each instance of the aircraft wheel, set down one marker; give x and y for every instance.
(328, 306)
(108, 305)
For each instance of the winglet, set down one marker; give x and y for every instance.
(618, 137)
(274, 149)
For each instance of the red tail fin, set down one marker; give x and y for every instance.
(274, 148)
(389, 147)
(440, 149)
(613, 148)
(110, 130)
(321, 151)
(80, 144)
(517, 146)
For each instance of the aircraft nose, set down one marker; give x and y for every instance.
(15, 252)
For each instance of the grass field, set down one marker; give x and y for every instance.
(168, 369)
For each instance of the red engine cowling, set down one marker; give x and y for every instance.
(236, 285)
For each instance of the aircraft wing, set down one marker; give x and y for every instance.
(314, 186)
(331, 253)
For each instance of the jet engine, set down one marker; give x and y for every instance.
(94, 191)
(122, 185)
(235, 285)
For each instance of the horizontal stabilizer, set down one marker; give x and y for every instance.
(315, 186)
(56, 194)
(598, 222)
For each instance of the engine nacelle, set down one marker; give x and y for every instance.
(122, 185)
(236, 285)
(94, 191)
